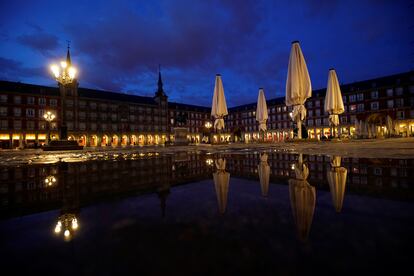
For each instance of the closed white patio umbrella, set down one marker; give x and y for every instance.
(221, 184)
(219, 106)
(333, 100)
(263, 170)
(261, 110)
(298, 85)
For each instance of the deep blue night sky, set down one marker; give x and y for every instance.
(118, 45)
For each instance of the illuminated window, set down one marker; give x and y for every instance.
(69, 114)
(17, 112)
(374, 95)
(30, 125)
(399, 102)
(17, 99)
(30, 112)
(69, 103)
(17, 124)
(352, 108)
(3, 111)
(42, 101)
(3, 98)
(4, 124)
(374, 106)
(30, 100)
(390, 103)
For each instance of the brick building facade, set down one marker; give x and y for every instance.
(100, 118)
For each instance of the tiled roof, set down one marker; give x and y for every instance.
(189, 107)
(113, 96)
(380, 82)
(19, 87)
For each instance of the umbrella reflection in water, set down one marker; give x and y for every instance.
(263, 170)
(302, 199)
(337, 182)
(221, 183)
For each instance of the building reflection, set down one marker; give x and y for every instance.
(221, 184)
(302, 199)
(337, 181)
(31, 189)
(263, 169)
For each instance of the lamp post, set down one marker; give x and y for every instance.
(65, 75)
(49, 116)
(208, 125)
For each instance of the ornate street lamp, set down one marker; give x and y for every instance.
(49, 116)
(208, 126)
(68, 224)
(65, 75)
(50, 181)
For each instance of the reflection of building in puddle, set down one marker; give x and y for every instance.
(302, 199)
(163, 191)
(221, 183)
(263, 170)
(337, 181)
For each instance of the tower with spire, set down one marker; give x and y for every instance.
(162, 100)
(68, 92)
(160, 90)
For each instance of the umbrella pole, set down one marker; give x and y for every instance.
(299, 128)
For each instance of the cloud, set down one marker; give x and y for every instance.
(39, 41)
(12, 68)
(187, 39)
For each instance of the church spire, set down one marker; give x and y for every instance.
(160, 90)
(68, 61)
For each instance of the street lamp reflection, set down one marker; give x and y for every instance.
(68, 224)
(50, 181)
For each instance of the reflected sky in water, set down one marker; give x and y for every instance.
(218, 213)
